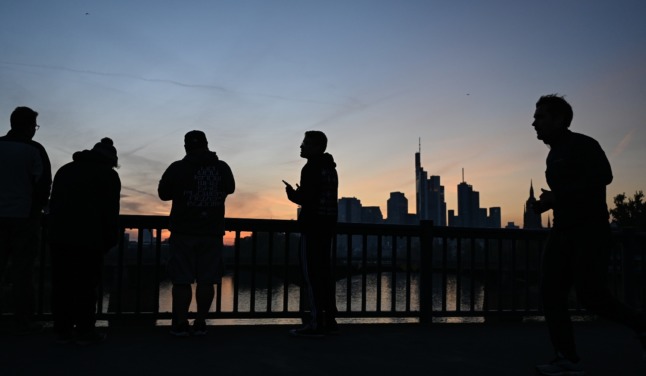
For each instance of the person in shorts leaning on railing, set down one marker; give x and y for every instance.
(198, 186)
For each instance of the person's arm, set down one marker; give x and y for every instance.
(229, 180)
(590, 172)
(292, 194)
(111, 214)
(545, 202)
(166, 187)
(302, 193)
(43, 183)
(307, 193)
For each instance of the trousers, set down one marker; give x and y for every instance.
(578, 258)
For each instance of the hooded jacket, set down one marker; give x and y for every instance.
(26, 175)
(318, 193)
(84, 207)
(198, 185)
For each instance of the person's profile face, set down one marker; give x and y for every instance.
(545, 124)
(30, 127)
(308, 148)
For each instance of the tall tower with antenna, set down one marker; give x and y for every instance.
(429, 194)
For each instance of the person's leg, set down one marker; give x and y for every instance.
(181, 269)
(26, 242)
(88, 272)
(209, 270)
(591, 276)
(5, 253)
(306, 288)
(182, 296)
(309, 274)
(557, 279)
(204, 293)
(62, 290)
(314, 279)
(327, 281)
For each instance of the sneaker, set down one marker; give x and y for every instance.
(307, 331)
(91, 338)
(199, 328)
(180, 330)
(561, 367)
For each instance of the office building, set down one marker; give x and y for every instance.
(430, 202)
(349, 210)
(397, 208)
(470, 214)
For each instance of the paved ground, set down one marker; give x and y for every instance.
(403, 349)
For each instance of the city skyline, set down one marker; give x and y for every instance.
(375, 76)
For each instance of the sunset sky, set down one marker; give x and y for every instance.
(376, 76)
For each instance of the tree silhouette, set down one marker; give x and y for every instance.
(629, 212)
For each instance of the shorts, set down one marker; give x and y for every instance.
(195, 259)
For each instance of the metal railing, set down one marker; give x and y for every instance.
(398, 272)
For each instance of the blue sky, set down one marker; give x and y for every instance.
(376, 76)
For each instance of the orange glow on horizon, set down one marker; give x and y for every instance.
(133, 235)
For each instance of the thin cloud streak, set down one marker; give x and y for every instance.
(623, 144)
(166, 81)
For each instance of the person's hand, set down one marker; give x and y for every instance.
(547, 197)
(288, 187)
(538, 207)
(545, 202)
(290, 190)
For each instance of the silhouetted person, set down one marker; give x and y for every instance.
(577, 251)
(198, 186)
(25, 181)
(317, 197)
(83, 225)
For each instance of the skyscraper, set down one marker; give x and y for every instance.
(468, 206)
(371, 214)
(430, 202)
(495, 217)
(397, 208)
(349, 210)
(530, 218)
(470, 214)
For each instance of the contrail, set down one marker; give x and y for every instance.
(124, 75)
(623, 144)
(165, 81)
(138, 191)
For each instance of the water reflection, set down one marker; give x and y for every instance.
(378, 292)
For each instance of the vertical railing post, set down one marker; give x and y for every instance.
(426, 272)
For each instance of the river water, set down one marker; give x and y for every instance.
(356, 298)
